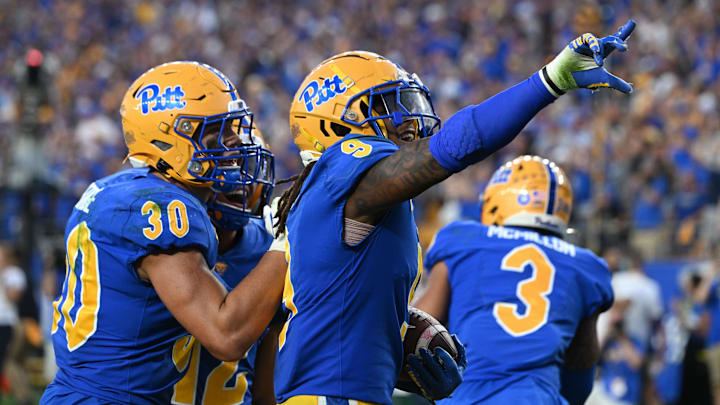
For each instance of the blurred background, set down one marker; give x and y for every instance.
(645, 168)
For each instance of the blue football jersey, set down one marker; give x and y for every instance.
(348, 304)
(114, 339)
(517, 298)
(209, 380)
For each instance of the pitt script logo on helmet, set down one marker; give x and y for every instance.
(151, 98)
(357, 92)
(530, 192)
(184, 119)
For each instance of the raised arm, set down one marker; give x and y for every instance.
(469, 136)
(477, 131)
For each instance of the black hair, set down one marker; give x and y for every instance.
(288, 197)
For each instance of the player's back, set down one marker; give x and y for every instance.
(517, 297)
(114, 339)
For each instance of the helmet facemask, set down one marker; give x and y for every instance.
(231, 207)
(235, 162)
(396, 102)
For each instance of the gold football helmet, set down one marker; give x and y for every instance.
(185, 120)
(357, 92)
(529, 192)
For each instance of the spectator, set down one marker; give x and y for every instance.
(12, 285)
(639, 296)
(621, 370)
(636, 313)
(695, 386)
(712, 305)
(646, 169)
(635, 144)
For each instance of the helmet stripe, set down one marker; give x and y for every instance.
(228, 83)
(552, 189)
(347, 81)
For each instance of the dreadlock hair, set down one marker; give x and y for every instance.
(288, 197)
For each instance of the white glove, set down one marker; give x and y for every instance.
(271, 222)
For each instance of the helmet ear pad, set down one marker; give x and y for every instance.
(167, 153)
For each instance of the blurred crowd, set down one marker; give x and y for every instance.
(645, 168)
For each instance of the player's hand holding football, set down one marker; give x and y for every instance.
(580, 64)
(437, 374)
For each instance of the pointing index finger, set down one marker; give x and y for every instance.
(627, 29)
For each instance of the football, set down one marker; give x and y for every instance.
(424, 331)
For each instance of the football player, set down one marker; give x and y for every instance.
(524, 301)
(140, 246)
(363, 126)
(242, 241)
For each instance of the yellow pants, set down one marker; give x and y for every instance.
(320, 400)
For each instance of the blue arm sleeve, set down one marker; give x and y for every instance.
(477, 131)
(575, 385)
